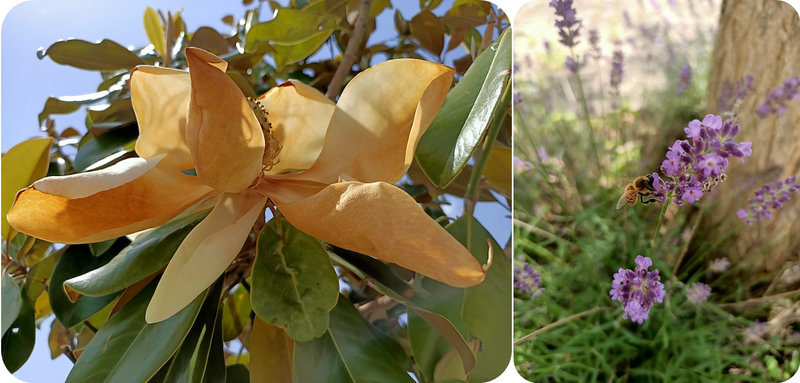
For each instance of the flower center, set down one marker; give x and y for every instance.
(271, 145)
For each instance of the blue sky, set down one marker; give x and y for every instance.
(26, 82)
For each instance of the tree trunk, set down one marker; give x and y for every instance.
(760, 38)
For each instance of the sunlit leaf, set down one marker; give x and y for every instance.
(235, 312)
(69, 104)
(429, 31)
(271, 353)
(21, 165)
(144, 256)
(41, 307)
(126, 348)
(38, 277)
(349, 352)
(155, 31)
(454, 134)
(210, 40)
(11, 301)
(59, 338)
(104, 56)
(294, 283)
(293, 34)
(17, 343)
(498, 169)
(76, 260)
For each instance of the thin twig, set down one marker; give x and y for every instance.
(686, 245)
(350, 52)
(759, 300)
(558, 323)
(546, 234)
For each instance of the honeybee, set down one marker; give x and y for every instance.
(641, 187)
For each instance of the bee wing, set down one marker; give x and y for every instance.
(622, 201)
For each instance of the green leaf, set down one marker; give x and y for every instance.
(235, 312)
(457, 129)
(17, 343)
(128, 349)
(487, 306)
(189, 363)
(39, 275)
(99, 248)
(12, 301)
(21, 165)
(69, 104)
(106, 56)
(237, 373)
(429, 31)
(293, 34)
(271, 353)
(294, 284)
(144, 256)
(95, 149)
(155, 30)
(76, 260)
(349, 351)
(215, 363)
(119, 112)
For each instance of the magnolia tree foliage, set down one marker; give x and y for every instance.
(246, 206)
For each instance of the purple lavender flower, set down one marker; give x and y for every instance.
(719, 265)
(568, 24)
(693, 167)
(521, 165)
(770, 197)
(685, 79)
(731, 95)
(637, 289)
(757, 329)
(698, 292)
(573, 64)
(517, 98)
(616, 76)
(527, 280)
(776, 101)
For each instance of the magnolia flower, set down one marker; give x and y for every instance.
(328, 167)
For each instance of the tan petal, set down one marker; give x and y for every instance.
(205, 253)
(222, 131)
(379, 119)
(160, 98)
(380, 220)
(105, 204)
(299, 115)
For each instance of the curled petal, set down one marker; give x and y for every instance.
(130, 196)
(205, 253)
(160, 98)
(379, 119)
(299, 115)
(380, 220)
(222, 132)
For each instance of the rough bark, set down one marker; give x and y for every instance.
(761, 38)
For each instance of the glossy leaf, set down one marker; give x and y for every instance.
(293, 34)
(487, 306)
(294, 284)
(21, 165)
(215, 363)
(94, 149)
(126, 348)
(99, 248)
(498, 169)
(429, 31)
(69, 104)
(271, 353)
(17, 343)
(457, 129)
(155, 31)
(105, 56)
(11, 301)
(235, 312)
(349, 351)
(144, 256)
(76, 260)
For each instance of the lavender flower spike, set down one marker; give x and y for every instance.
(698, 292)
(769, 198)
(568, 25)
(527, 280)
(637, 289)
(685, 79)
(776, 102)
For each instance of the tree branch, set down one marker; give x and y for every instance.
(350, 52)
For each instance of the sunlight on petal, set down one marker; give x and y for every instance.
(135, 204)
(205, 253)
(299, 115)
(82, 185)
(222, 131)
(379, 119)
(160, 98)
(381, 220)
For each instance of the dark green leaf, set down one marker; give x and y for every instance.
(104, 56)
(127, 349)
(76, 260)
(237, 373)
(94, 149)
(348, 352)
(294, 283)
(12, 301)
(487, 306)
(99, 248)
(119, 112)
(457, 129)
(215, 364)
(144, 256)
(17, 343)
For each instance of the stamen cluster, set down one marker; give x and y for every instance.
(768, 198)
(694, 168)
(637, 289)
(271, 145)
